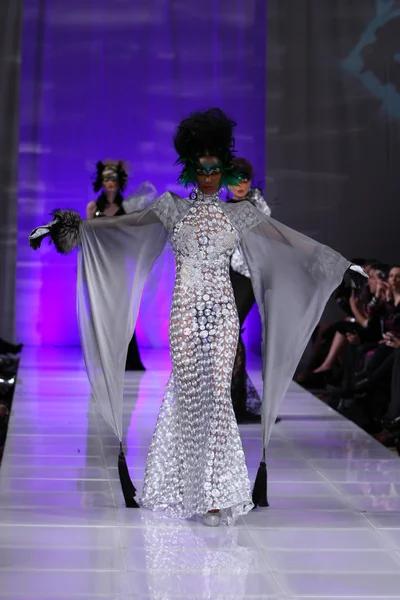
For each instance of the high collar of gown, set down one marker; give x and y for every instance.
(200, 197)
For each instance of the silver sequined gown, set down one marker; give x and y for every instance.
(196, 461)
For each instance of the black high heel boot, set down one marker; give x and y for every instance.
(8, 348)
(8, 365)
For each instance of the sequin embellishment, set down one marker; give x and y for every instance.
(196, 460)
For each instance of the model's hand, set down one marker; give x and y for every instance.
(382, 288)
(354, 299)
(353, 337)
(391, 340)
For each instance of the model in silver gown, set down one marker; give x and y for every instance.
(111, 178)
(196, 461)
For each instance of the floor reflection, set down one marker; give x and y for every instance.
(185, 559)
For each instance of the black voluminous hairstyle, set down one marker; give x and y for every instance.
(208, 133)
(243, 167)
(117, 166)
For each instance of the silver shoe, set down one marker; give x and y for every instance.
(212, 519)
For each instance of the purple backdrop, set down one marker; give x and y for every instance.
(112, 80)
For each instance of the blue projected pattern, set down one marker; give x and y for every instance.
(375, 60)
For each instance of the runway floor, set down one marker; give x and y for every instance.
(332, 531)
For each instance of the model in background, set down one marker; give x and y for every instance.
(111, 178)
(245, 398)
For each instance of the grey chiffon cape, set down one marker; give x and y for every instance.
(292, 276)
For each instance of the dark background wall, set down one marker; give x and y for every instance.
(333, 110)
(10, 60)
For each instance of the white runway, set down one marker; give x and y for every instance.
(332, 530)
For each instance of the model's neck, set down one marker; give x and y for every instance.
(236, 199)
(202, 195)
(111, 197)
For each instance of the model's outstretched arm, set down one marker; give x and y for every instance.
(293, 277)
(66, 227)
(116, 255)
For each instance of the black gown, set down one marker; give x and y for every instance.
(245, 398)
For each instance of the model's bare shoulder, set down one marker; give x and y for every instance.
(91, 209)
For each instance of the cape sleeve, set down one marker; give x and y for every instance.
(116, 256)
(293, 277)
(140, 198)
(257, 199)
